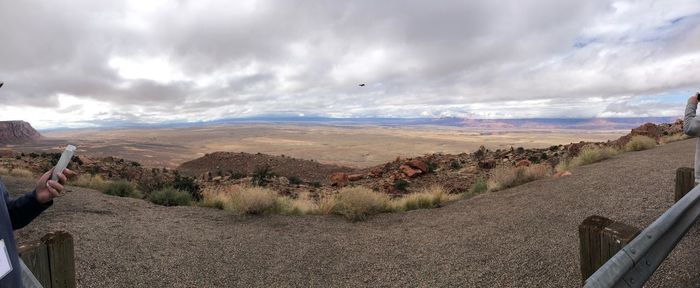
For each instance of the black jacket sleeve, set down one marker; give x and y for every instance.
(23, 209)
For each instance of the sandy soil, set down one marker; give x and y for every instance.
(520, 237)
(353, 146)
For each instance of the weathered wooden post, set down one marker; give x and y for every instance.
(51, 260)
(600, 238)
(685, 181)
(59, 246)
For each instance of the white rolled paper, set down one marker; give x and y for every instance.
(63, 162)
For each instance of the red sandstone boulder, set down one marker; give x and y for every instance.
(418, 164)
(339, 179)
(408, 171)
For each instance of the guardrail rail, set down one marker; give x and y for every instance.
(633, 264)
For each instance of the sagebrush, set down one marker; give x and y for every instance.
(170, 196)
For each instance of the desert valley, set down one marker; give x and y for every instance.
(258, 143)
(305, 186)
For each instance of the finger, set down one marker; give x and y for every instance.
(69, 173)
(62, 178)
(54, 193)
(56, 185)
(46, 175)
(42, 180)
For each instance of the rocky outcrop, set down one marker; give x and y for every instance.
(652, 131)
(17, 132)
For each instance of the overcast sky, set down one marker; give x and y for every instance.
(87, 62)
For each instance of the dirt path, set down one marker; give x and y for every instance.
(521, 237)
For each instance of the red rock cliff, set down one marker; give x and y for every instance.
(17, 132)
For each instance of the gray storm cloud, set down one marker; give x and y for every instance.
(194, 60)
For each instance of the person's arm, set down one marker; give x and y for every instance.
(23, 209)
(691, 124)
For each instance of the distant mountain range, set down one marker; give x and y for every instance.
(466, 123)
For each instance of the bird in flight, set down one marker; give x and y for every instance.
(362, 85)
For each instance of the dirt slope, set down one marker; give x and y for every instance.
(521, 237)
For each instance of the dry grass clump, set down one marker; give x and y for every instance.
(251, 200)
(506, 177)
(326, 203)
(639, 143)
(564, 165)
(588, 155)
(90, 181)
(303, 204)
(357, 203)
(120, 188)
(213, 199)
(16, 172)
(593, 154)
(673, 138)
(432, 197)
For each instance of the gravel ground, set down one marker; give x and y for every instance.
(521, 237)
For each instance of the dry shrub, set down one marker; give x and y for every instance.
(122, 188)
(170, 196)
(357, 203)
(639, 143)
(479, 186)
(251, 200)
(506, 177)
(432, 197)
(16, 172)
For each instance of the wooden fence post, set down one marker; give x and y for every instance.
(600, 238)
(685, 181)
(51, 260)
(59, 246)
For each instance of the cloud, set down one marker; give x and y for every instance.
(153, 61)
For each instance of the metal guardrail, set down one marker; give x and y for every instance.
(636, 262)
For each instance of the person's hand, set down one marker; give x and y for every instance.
(693, 99)
(47, 189)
